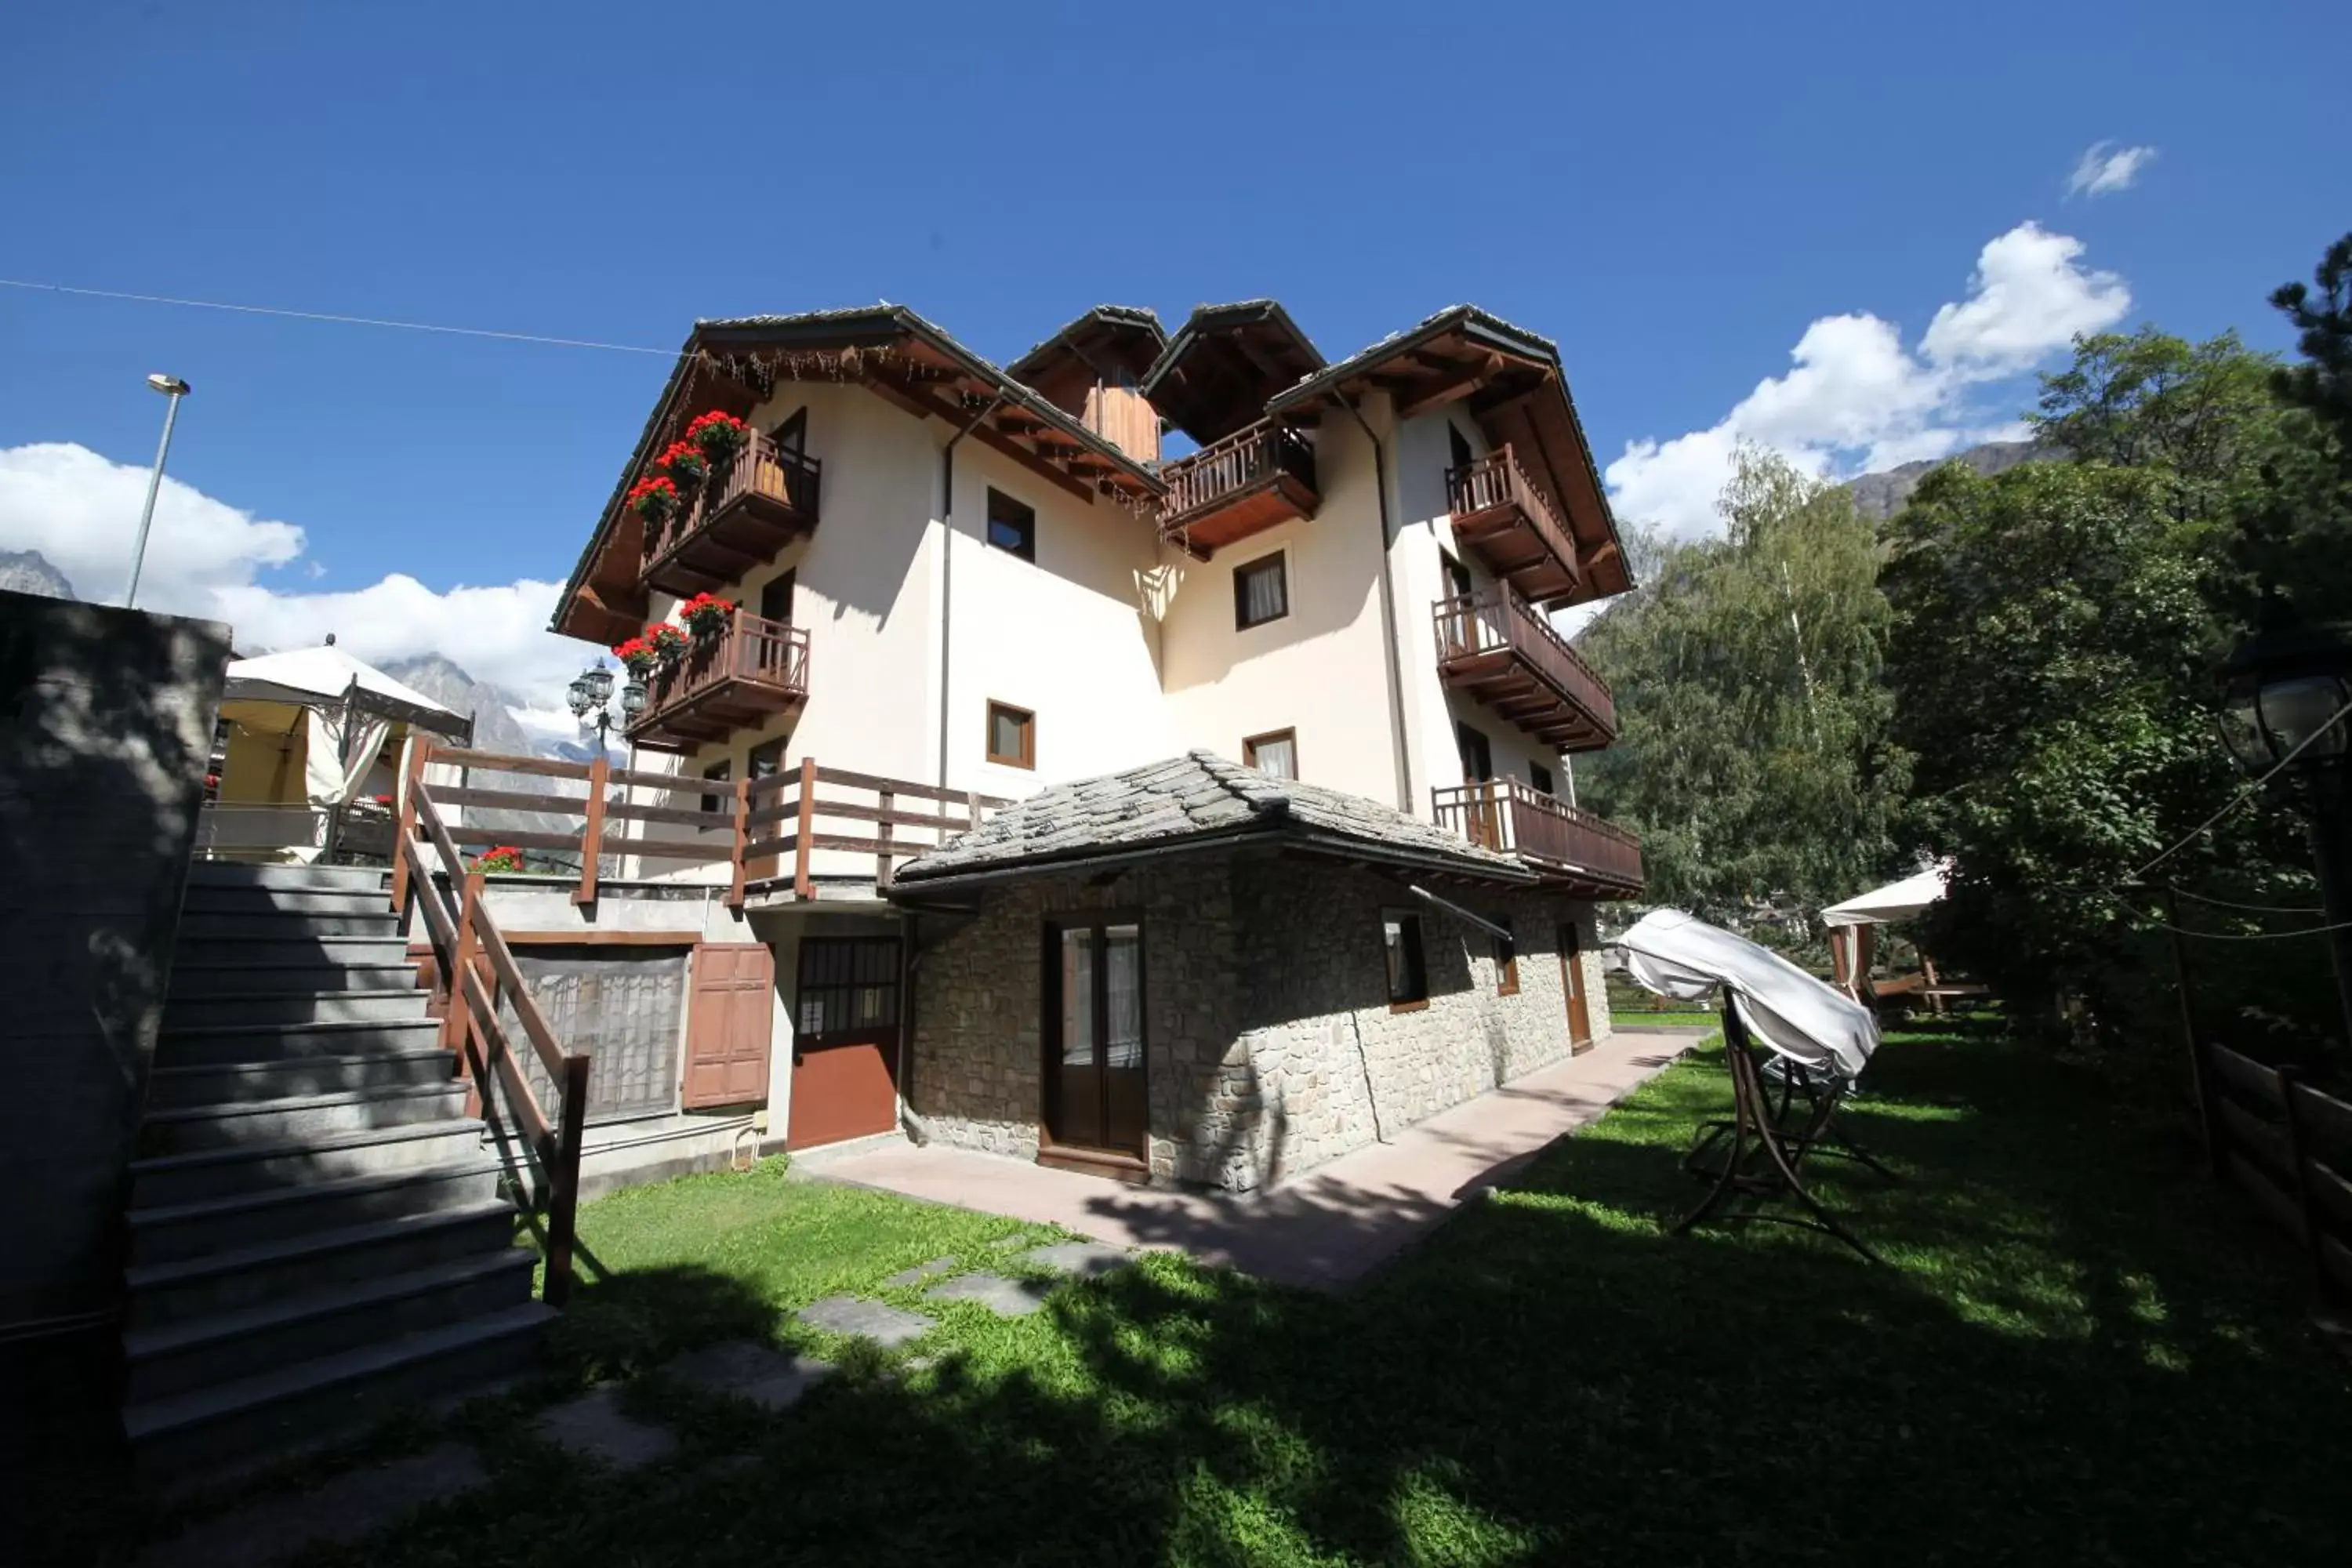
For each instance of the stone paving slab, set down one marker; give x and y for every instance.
(340, 1512)
(594, 1424)
(886, 1325)
(764, 1376)
(1005, 1297)
(922, 1272)
(1085, 1259)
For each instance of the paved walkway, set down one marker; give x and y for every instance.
(1328, 1227)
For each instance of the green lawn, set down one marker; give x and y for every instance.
(2081, 1355)
(1636, 1018)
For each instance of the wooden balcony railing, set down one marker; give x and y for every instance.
(1572, 846)
(762, 502)
(1252, 479)
(766, 833)
(474, 971)
(1506, 651)
(752, 670)
(1501, 517)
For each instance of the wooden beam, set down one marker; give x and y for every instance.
(898, 396)
(602, 938)
(1452, 391)
(996, 441)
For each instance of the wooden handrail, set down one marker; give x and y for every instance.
(1248, 457)
(1499, 617)
(466, 940)
(1495, 480)
(1516, 818)
(762, 468)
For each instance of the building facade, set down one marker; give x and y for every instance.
(955, 585)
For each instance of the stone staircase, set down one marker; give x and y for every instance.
(316, 1234)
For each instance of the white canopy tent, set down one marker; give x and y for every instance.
(1849, 922)
(1895, 902)
(1811, 1023)
(340, 715)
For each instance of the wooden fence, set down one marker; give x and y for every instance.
(2288, 1147)
(765, 831)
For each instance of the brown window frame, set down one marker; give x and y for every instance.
(1278, 561)
(1506, 952)
(1025, 526)
(1250, 743)
(1416, 965)
(1028, 755)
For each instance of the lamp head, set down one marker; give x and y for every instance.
(599, 682)
(170, 385)
(2281, 694)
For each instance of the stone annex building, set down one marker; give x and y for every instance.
(1269, 746)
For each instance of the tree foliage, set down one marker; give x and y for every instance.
(2056, 629)
(1747, 669)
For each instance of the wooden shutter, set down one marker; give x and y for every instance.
(729, 1024)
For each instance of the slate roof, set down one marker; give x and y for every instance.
(1200, 798)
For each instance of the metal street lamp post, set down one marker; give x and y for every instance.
(2283, 717)
(588, 695)
(174, 389)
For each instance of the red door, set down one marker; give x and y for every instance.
(728, 1025)
(845, 1040)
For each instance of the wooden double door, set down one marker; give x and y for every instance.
(1097, 1095)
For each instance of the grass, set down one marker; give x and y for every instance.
(2080, 1353)
(1641, 1018)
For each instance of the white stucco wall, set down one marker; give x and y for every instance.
(1072, 638)
(1318, 670)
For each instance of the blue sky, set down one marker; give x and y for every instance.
(1680, 196)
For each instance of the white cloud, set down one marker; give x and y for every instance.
(205, 557)
(1856, 400)
(2104, 168)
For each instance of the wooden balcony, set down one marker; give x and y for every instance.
(1572, 850)
(1496, 646)
(1255, 477)
(739, 679)
(1503, 520)
(742, 519)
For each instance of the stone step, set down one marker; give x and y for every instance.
(387, 1004)
(204, 1045)
(333, 879)
(261, 920)
(290, 1078)
(179, 1438)
(194, 981)
(239, 1279)
(206, 1352)
(163, 1181)
(295, 1118)
(251, 1219)
(295, 946)
(221, 899)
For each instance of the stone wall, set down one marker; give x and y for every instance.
(1270, 1043)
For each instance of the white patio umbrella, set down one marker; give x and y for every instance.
(1895, 902)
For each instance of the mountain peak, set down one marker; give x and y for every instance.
(29, 572)
(1881, 495)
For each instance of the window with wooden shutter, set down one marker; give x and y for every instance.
(729, 1024)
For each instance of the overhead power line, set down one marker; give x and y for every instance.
(336, 320)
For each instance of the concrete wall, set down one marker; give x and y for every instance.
(106, 721)
(1270, 1043)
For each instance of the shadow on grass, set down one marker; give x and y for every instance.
(2077, 1356)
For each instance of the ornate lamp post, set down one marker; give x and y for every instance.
(2282, 715)
(588, 695)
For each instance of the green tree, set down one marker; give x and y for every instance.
(1747, 669)
(2053, 637)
